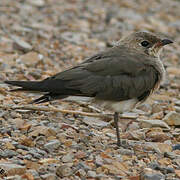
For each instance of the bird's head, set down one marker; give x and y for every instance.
(145, 42)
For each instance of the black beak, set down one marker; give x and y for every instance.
(166, 41)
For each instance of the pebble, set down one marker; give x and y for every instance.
(92, 121)
(16, 177)
(49, 176)
(172, 118)
(63, 171)
(176, 147)
(156, 108)
(38, 3)
(81, 173)
(35, 154)
(171, 155)
(177, 102)
(8, 153)
(91, 174)
(20, 146)
(28, 157)
(21, 44)
(68, 158)
(33, 172)
(157, 135)
(52, 145)
(177, 108)
(153, 123)
(12, 169)
(149, 174)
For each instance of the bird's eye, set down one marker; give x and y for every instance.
(145, 43)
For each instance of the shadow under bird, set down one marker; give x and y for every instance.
(118, 79)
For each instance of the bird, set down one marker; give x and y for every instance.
(118, 78)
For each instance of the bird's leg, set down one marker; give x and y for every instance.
(117, 128)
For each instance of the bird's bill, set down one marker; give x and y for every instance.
(162, 43)
(166, 41)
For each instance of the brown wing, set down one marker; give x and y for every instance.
(113, 75)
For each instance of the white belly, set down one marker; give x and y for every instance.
(121, 106)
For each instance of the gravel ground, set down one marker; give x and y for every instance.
(39, 38)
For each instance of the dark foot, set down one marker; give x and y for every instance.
(117, 128)
(118, 143)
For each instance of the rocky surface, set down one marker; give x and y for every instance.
(39, 38)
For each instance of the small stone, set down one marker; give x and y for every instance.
(8, 153)
(92, 121)
(145, 107)
(13, 169)
(35, 154)
(34, 173)
(153, 123)
(158, 115)
(168, 170)
(164, 161)
(149, 174)
(156, 135)
(63, 171)
(67, 158)
(49, 176)
(37, 3)
(10, 146)
(29, 58)
(154, 165)
(28, 157)
(32, 165)
(177, 102)
(81, 173)
(129, 115)
(177, 108)
(21, 44)
(172, 118)
(176, 147)
(16, 177)
(177, 171)
(171, 155)
(162, 147)
(26, 141)
(133, 126)
(99, 160)
(80, 155)
(156, 108)
(52, 145)
(111, 135)
(91, 174)
(42, 130)
(48, 161)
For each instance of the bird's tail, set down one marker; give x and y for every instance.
(26, 85)
(54, 89)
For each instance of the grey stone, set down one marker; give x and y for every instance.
(21, 44)
(63, 171)
(91, 174)
(153, 123)
(172, 118)
(149, 174)
(67, 158)
(8, 153)
(35, 154)
(49, 176)
(52, 145)
(176, 147)
(92, 121)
